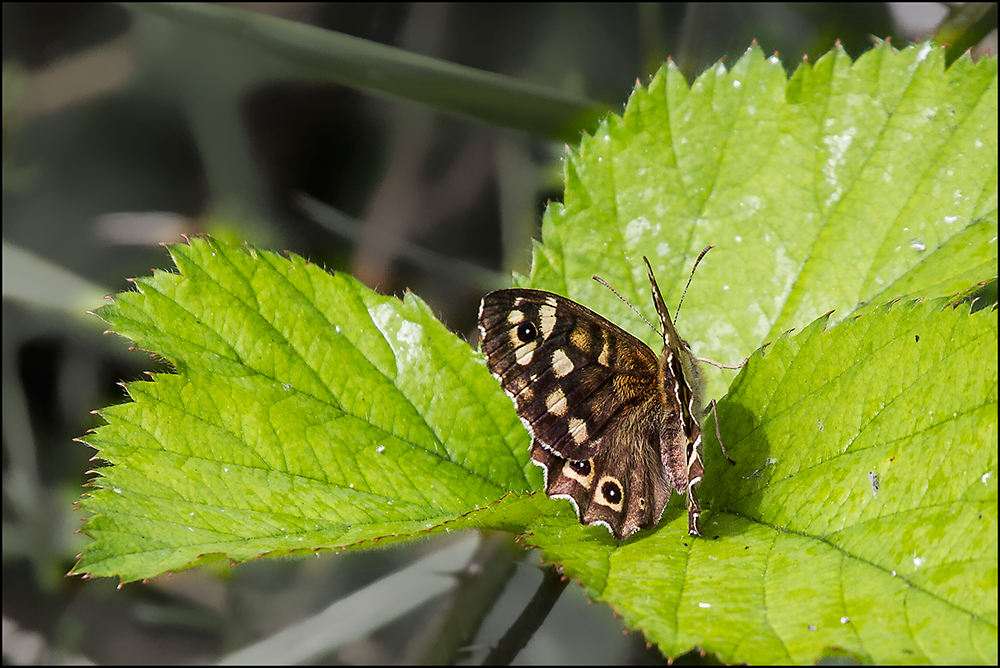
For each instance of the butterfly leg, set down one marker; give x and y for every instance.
(720, 365)
(718, 434)
(694, 512)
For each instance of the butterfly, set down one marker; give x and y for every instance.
(614, 426)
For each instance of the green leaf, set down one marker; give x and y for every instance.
(849, 184)
(803, 552)
(846, 187)
(308, 412)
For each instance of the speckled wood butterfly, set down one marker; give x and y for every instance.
(615, 427)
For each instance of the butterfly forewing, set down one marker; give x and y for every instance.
(573, 375)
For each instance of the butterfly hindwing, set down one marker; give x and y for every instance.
(621, 487)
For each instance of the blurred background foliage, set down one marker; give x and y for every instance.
(125, 127)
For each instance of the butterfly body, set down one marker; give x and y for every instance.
(613, 425)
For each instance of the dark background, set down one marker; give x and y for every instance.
(117, 138)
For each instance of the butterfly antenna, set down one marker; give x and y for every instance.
(688, 284)
(605, 284)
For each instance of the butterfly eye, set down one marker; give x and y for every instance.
(526, 331)
(581, 468)
(612, 492)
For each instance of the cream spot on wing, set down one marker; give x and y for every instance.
(578, 430)
(515, 317)
(582, 472)
(556, 402)
(526, 352)
(561, 364)
(547, 317)
(605, 357)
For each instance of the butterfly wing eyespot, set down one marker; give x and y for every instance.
(526, 332)
(611, 492)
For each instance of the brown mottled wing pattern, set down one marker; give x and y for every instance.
(612, 425)
(622, 487)
(587, 392)
(573, 375)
